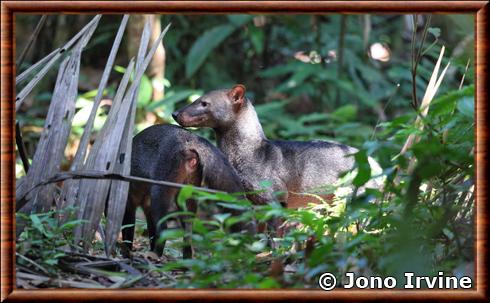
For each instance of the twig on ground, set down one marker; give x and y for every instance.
(32, 262)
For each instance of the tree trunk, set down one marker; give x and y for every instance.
(156, 70)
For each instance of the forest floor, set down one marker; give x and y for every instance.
(94, 269)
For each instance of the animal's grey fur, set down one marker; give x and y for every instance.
(291, 166)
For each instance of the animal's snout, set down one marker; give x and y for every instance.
(187, 117)
(175, 115)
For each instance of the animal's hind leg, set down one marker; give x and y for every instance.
(128, 230)
(135, 196)
(276, 224)
(161, 198)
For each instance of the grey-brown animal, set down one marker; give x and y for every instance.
(171, 153)
(292, 166)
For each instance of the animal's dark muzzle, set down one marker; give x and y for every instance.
(175, 115)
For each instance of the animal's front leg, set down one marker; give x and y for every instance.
(129, 221)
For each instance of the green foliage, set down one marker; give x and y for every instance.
(204, 45)
(363, 169)
(44, 241)
(145, 91)
(209, 41)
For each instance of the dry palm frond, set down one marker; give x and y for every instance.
(51, 146)
(111, 151)
(119, 189)
(430, 92)
(105, 154)
(70, 188)
(84, 34)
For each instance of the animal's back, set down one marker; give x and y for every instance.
(155, 152)
(311, 164)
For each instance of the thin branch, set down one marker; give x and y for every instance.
(414, 67)
(94, 174)
(21, 147)
(414, 36)
(430, 46)
(424, 36)
(343, 26)
(416, 58)
(31, 41)
(32, 262)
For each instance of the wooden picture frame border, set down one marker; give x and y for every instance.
(8, 8)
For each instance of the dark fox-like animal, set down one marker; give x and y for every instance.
(293, 167)
(171, 153)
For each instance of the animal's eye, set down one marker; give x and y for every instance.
(204, 103)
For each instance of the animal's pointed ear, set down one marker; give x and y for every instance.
(194, 163)
(191, 158)
(237, 94)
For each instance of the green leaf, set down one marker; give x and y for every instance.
(51, 261)
(71, 224)
(257, 246)
(198, 227)
(239, 20)
(171, 99)
(81, 116)
(345, 113)
(301, 73)
(448, 233)
(204, 45)
(232, 206)
(270, 110)
(225, 197)
(120, 69)
(145, 91)
(90, 94)
(171, 234)
(431, 169)
(447, 102)
(467, 106)
(257, 37)
(184, 194)
(175, 215)
(281, 69)
(36, 223)
(435, 31)
(221, 217)
(268, 283)
(363, 169)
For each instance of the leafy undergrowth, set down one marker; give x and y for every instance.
(367, 235)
